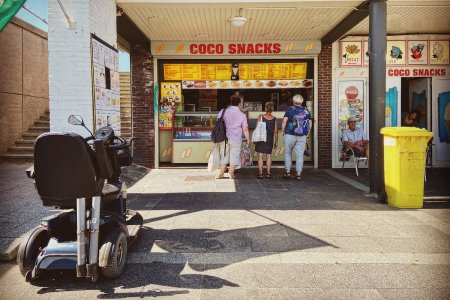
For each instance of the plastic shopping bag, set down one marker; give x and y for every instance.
(260, 132)
(214, 159)
(246, 157)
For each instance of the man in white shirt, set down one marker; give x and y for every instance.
(356, 139)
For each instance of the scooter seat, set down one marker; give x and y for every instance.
(109, 190)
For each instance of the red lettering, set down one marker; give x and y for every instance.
(267, 48)
(241, 49)
(443, 72)
(276, 48)
(219, 48)
(250, 49)
(193, 48)
(231, 48)
(258, 48)
(210, 49)
(415, 72)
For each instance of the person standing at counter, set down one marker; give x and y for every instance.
(271, 140)
(296, 128)
(236, 125)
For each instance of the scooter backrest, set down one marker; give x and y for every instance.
(65, 167)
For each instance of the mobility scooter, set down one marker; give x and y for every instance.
(81, 176)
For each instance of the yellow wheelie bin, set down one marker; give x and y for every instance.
(404, 165)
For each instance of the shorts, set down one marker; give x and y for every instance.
(232, 155)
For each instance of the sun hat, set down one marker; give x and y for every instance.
(352, 120)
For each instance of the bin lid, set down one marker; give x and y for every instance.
(406, 131)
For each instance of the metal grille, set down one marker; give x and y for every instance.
(199, 178)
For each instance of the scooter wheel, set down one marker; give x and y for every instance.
(113, 250)
(29, 249)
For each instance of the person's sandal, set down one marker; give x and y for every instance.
(269, 175)
(298, 177)
(259, 176)
(287, 176)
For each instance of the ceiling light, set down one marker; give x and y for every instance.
(238, 20)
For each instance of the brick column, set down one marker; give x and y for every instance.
(142, 105)
(325, 105)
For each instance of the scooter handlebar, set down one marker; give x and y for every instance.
(122, 144)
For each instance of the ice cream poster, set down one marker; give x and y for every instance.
(417, 52)
(396, 53)
(351, 54)
(439, 52)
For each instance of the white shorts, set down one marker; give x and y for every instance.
(232, 155)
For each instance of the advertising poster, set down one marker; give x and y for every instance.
(439, 52)
(106, 90)
(417, 52)
(351, 102)
(351, 54)
(444, 117)
(170, 102)
(396, 52)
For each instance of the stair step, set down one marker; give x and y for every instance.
(38, 129)
(42, 123)
(24, 143)
(44, 118)
(31, 136)
(21, 150)
(17, 157)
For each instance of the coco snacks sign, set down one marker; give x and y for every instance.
(163, 48)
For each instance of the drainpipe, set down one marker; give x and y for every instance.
(377, 91)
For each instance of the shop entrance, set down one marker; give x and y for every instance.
(416, 98)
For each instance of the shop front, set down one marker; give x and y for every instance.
(417, 80)
(195, 81)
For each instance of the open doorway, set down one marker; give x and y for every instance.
(416, 97)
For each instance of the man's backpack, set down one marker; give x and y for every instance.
(219, 132)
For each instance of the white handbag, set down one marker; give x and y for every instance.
(260, 132)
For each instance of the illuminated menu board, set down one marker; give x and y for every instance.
(272, 71)
(246, 71)
(197, 71)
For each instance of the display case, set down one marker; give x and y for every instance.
(191, 136)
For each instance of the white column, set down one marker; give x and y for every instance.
(70, 81)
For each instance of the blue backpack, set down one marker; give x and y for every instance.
(299, 124)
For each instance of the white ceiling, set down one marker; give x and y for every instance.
(181, 20)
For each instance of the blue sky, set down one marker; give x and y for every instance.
(39, 7)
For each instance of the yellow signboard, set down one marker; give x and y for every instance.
(197, 71)
(272, 71)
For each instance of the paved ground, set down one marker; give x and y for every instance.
(252, 239)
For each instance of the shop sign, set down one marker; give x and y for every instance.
(417, 52)
(418, 72)
(162, 48)
(439, 52)
(351, 54)
(395, 53)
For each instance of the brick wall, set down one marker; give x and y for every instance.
(23, 80)
(142, 105)
(325, 106)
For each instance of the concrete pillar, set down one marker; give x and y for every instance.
(377, 90)
(142, 104)
(69, 50)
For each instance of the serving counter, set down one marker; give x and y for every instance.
(189, 139)
(191, 136)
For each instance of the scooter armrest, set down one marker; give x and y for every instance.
(30, 172)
